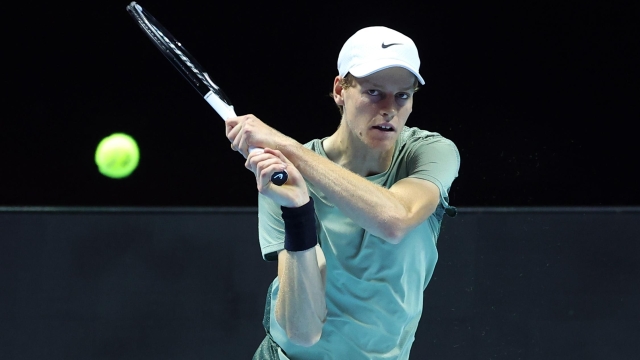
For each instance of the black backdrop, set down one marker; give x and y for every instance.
(538, 96)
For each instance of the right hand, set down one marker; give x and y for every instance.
(293, 193)
(248, 131)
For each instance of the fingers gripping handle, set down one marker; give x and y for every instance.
(226, 111)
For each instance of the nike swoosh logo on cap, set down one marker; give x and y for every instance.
(384, 46)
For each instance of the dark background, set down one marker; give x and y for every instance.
(190, 284)
(538, 96)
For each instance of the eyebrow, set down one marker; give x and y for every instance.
(376, 85)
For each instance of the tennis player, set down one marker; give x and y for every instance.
(354, 229)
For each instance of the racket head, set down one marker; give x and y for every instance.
(175, 52)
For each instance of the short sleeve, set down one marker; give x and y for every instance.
(270, 228)
(270, 223)
(438, 161)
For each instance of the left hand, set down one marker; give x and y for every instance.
(293, 193)
(249, 131)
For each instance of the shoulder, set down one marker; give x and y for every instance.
(414, 135)
(413, 139)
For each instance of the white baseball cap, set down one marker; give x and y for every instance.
(377, 48)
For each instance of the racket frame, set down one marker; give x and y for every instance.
(179, 57)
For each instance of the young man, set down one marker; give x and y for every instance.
(354, 229)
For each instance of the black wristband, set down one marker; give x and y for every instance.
(299, 227)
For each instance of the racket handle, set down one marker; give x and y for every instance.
(226, 112)
(222, 108)
(278, 178)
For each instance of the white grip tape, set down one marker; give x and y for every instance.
(224, 110)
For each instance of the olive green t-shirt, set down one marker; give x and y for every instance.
(374, 291)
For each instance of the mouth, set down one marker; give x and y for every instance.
(384, 128)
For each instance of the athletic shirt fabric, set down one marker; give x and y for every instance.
(374, 292)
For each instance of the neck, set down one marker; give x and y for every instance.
(350, 152)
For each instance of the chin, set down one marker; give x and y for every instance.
(382, 144)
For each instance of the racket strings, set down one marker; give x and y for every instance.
(202, 76)
(186, 60)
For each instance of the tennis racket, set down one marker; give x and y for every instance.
(190, 69)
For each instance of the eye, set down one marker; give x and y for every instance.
(403, 96)
(373, 92)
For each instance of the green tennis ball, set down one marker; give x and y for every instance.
(117, 156)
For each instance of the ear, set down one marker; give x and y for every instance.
(337, 91)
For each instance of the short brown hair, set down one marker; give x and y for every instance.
(346, 82)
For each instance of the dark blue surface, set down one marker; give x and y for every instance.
(190, 284)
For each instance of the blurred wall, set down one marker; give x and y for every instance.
(76, 283)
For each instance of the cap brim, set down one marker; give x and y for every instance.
(369, 68)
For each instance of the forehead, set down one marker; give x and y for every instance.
(396, 77)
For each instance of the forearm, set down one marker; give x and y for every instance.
(371, 206)
(374, 208)
(300, 307)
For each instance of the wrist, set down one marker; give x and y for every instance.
(300, 227)
(287, 146)
(304, 200)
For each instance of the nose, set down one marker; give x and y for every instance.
(388, 108)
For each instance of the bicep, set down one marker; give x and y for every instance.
(437, 162)
(419, 197)
(432, 167)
